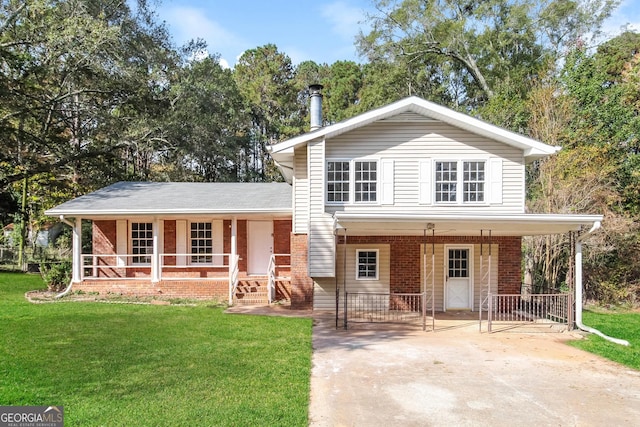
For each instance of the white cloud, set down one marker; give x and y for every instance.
(344, 20)
(189, 23)
(224, 63)
(625, 17)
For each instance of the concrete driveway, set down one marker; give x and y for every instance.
(385, 375)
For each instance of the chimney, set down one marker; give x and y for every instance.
(316, 106)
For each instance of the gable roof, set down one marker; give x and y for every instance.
(147, 198)
(282, 152)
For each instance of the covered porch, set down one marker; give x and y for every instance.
(469, 267)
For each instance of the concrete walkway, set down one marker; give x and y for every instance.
(385, 375)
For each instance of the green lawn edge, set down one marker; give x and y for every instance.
(152, 365)
(618, 324)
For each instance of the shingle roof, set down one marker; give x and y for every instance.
(180, 198)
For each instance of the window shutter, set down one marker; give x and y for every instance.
(181, 241)
(121, 242)
(217, 231)
(495, 184)
(424, 182)
(386, 167)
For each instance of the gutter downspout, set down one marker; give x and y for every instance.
(578, 261)
(68, 288)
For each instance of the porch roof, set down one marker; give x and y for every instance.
(180, 198)
(463, 225)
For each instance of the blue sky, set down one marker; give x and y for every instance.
(319, 30)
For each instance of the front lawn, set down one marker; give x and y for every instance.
(625, 325)
(151, 365)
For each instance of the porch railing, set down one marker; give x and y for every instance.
(273, 274)
(384, 307)
(233, 276)
(533, 309)
(122, 266)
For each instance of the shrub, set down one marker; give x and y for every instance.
(56, 275)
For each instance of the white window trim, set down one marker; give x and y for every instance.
(130, 241)
(460, 182)
(217, 242)
(352, 181)
(326, 181)
(190, 244)
(377, 252)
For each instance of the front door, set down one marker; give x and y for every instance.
(458, 279)
(260, 246)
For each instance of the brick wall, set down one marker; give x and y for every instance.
(301, 283)
(200, 289)
(104, 237)
(510, 265)
(405, 259)
(169, 241)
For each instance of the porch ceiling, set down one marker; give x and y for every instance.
(457, 225)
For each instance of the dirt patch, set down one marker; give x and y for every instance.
(46, 296)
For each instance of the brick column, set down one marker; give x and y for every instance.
(301, 283)
(510, 265)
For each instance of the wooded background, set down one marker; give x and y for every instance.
(93, 92)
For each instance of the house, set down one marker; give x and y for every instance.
(409, 199)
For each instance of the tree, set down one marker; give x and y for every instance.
(206, 125)
(475, 46)
(265, 79)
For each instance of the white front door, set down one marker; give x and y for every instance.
(458, 288)
(259, 246)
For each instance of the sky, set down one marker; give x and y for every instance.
(323, 31)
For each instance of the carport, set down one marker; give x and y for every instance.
(440, 265)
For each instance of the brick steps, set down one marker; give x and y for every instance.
(251, 292)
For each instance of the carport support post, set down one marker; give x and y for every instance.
(344, 278)
(578, 281)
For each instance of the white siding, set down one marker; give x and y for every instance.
(440, 268)
(409, 142)
(324, 292)
(300, 192)
(477, 288)
(321, 238)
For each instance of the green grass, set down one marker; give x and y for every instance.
(147, 365)
(625, 325)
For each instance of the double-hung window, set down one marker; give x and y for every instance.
(453, 186)
(355, 180)
(201, 242)
(367, 264)
(338, 182)
(141, 242)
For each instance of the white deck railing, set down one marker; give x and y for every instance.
(273, 276)
(116, 266)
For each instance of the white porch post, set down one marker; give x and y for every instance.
(232, 256)
(234, 235)
(76, 244)
(155, 257)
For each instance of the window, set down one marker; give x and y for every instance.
(471, 180)
(337, 182)
(141, 242)
(458, 262)
(355, 181)
(366, 179)
(446, 181)
(201, 243)
(367, 264)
